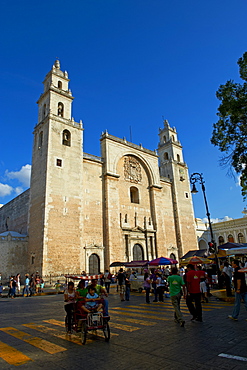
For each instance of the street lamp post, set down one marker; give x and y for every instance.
(197, 177)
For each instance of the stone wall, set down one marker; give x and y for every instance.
(14, 214)
(13, 251)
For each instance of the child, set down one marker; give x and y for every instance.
(203, 289)
(91, 301)
(57, 286)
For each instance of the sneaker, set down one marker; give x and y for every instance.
(232, 318)
(197, 319)
(175, 320)
(182, 323)
(193, 318)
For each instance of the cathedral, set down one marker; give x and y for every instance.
(83, 212)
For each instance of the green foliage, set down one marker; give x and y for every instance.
(230, 132)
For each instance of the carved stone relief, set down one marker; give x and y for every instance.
(132, 170)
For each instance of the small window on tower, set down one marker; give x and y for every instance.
(66, 137)
(165, 156)
(134, 195)
(44, 110)
(59, 84)
(178, 157)
(60, 109)
(59, 162)
(40, 139)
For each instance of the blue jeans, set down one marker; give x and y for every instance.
(105, 307)
(26, 290)
(127, 292)
(236, 309)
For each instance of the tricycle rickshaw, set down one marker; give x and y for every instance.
(83, 322)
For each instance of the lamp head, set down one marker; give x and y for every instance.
(194, 190)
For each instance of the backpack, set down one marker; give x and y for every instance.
(109, 276)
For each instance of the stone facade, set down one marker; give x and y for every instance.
(14, 254)
(86, 212)
(234, 231)
(14, 214)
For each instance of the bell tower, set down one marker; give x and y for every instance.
(56, 181)
(172, 166)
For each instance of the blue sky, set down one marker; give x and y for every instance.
(130, 63)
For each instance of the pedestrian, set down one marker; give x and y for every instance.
(147, 285)
(18, 283)
(32, 285)
(203, 288)
(1, 289)
(37, 284)
(57, 286)
(121, 283)
(153, 277)
(42, 285)
(127, 287)
(193, 279)
(227, 273)
(69, 301)
(107, 278)
(240, 290)
(160, 284)
(176, 285)
(26, 286)
(11, 287)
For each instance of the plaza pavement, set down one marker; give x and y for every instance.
(143, 336)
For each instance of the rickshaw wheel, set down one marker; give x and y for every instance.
(106, 331)
(84, 333)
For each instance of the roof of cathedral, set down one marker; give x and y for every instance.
(14, 234)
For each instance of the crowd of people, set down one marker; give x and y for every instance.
(31, 284)
(193, 283)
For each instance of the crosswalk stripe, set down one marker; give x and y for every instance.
(135, 321)
(55, 322)
(165, 308)
(124, 327)
(158, 310)
(140, 315)
(34, 341)
(54, 332)
(61, 323)
(12, 356)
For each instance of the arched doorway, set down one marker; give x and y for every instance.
(138, 254)
(202, 244)
(94, 264)
(172, 256)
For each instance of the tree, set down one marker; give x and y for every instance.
(230, 132)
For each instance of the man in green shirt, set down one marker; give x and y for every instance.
(176, 284)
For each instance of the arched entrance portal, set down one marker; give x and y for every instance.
(138, 253)
(94, 264)
(172, 256)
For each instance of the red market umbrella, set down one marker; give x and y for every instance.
(162, 261)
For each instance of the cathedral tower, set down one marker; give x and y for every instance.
(56, 182)
(172, 166)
